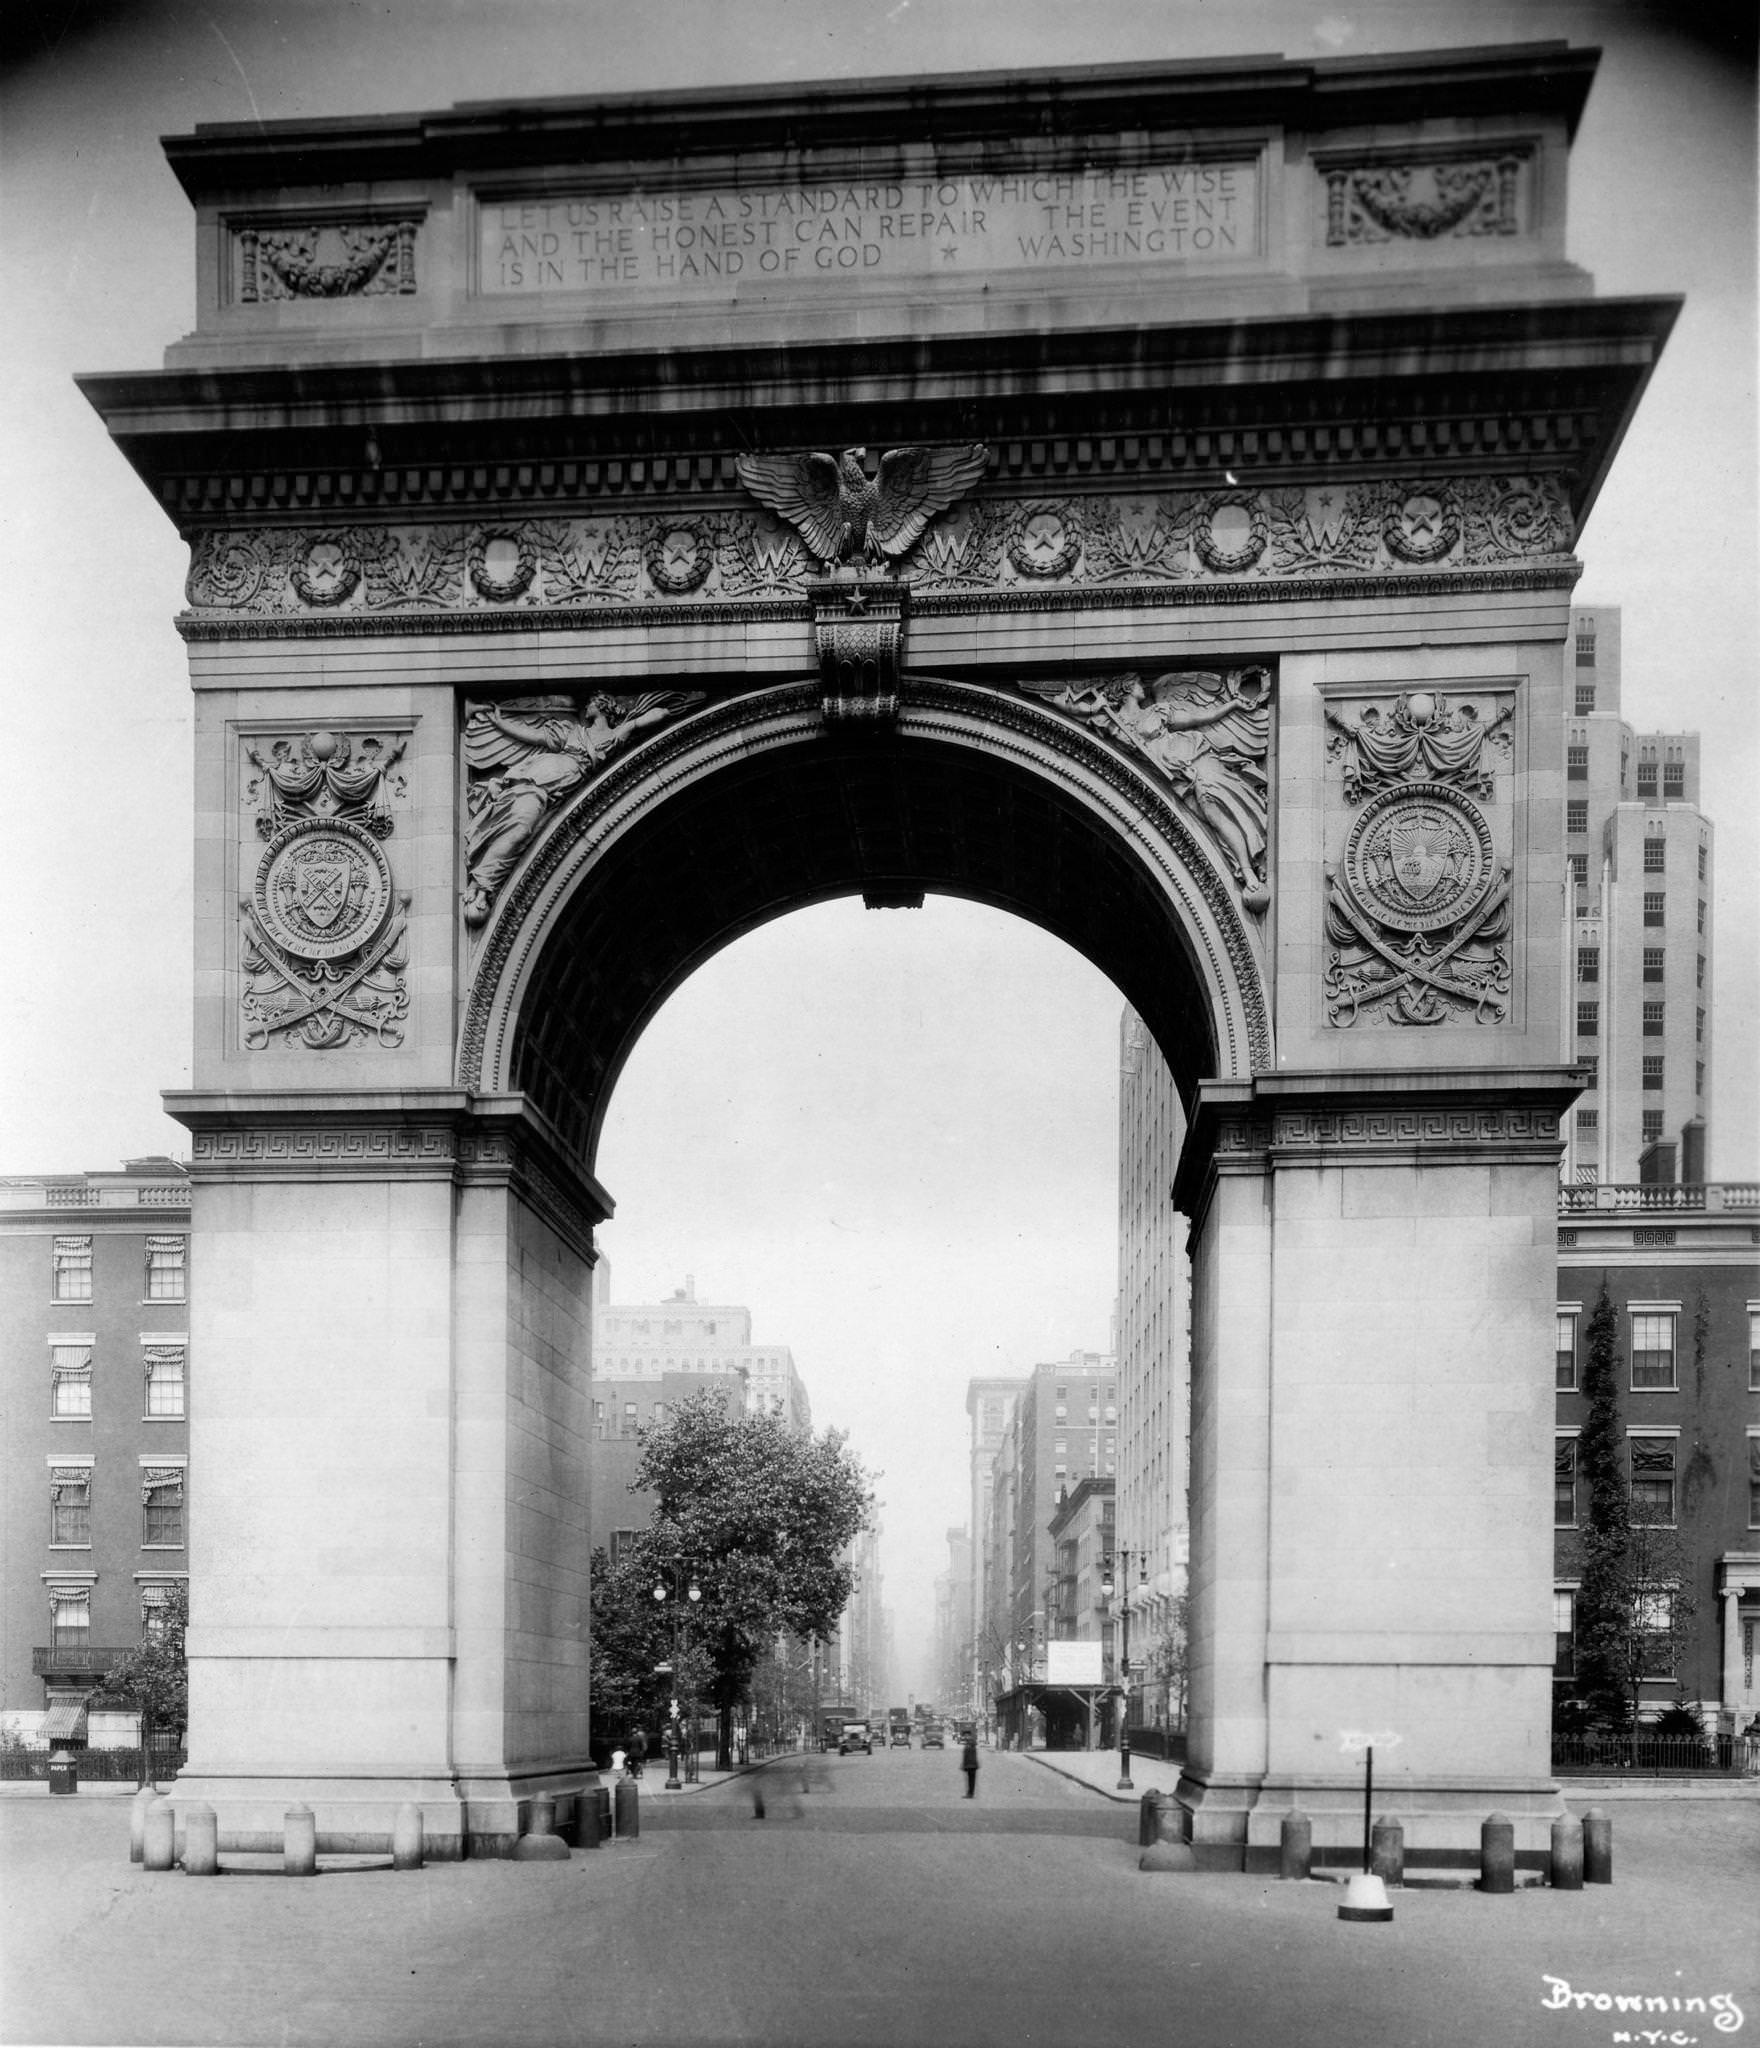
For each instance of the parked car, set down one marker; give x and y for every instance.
(855, 1736)
(934, 1735)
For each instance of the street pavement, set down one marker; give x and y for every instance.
(876, 1906)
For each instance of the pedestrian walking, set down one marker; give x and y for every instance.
(638, 1753)
(968, 1762)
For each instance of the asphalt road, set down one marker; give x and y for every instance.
(878, 1907)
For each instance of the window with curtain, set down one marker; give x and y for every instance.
(165, 1268)
(1653, 1349)
(162, 1507)
(70, 1507)
(1565, 1372)
(70, 1382)
(70, 1617)
(1653, 1478)
(1564, 1482)
(72, 1269)
(163, 1366)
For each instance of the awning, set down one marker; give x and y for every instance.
(66, 1719)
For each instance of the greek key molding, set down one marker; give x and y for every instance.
(1331, 1130)
(621, 563)
(394, 1145)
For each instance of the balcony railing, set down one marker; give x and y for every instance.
(1656, 1197)
(90, 1664)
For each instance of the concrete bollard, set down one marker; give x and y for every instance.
(602, 1802)
(407, 1844)
(159, 1837)
(1597, 1847)
(1497, 1854)
(201, 1842)
(299, 1843)
(1567, 1854)
(628, 1810)
(1296, 1847)
(541, 1843)
(1387, 1851)
(137, 1821)
(1148, 1818)
(587, 1831)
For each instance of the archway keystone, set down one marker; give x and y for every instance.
(1142, 500)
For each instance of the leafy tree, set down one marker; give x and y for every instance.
(762, 1519)
(153, 1678)
(1604, 1603)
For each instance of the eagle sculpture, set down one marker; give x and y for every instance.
(845, 516)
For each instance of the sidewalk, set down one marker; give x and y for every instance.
(1098, 1770)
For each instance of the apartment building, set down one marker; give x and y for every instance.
(645, 1340)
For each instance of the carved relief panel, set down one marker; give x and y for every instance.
(323, 925)
(1419, 866)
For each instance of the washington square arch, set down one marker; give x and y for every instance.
(1143, 500)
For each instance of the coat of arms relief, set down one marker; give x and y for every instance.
(324, 929)
(1418, 905)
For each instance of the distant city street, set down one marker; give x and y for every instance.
(879, 1907)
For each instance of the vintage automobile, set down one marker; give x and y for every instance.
(934, 1735)
(899, 1735)
(855, 1736)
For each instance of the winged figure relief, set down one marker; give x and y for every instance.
(844, 515)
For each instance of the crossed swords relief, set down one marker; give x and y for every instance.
(322, 1011)
(1411, 978)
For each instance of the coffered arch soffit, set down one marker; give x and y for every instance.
(753, 807)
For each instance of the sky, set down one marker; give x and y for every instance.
(906, 1166)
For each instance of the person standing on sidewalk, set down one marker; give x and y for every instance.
(968, 1761)
(638, 1753)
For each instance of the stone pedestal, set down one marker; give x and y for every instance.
(391, 1564)
(1372, 1404)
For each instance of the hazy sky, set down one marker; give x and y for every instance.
(905, 1164)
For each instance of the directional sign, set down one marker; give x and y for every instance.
(1353, 1742)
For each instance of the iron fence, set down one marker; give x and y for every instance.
(96, 1766)
(1656, 1756)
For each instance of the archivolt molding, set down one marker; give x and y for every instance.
(1015, 727)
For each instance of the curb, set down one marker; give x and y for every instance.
(1043, 1759)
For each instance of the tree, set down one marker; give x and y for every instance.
(153, 1677)
(763, 1520)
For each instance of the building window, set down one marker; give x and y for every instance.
(1585, 700)
(1580, 870)
(1655, 856)
(1674, 778)
(70, 1379)
(1565, 1374)
(1576, 815)
(162, 1507)
(1585, 646)
(1564, 1482)
(1704, 862)
(165, 1263)
(1652, 1125)
(70, 1617)
(1588, 963)
(73, 1269)
(154, 1602)
(599, 1420)
(163, 1367)
(1652, 1070)
(1060, 1448)
(1653, 1615)
(1698, 1077)
(1588, 1019)
(1754, 1479)
(631, 1419)
(1652, 1349)
(1653, 1478)
(1588, 1120)
(1647, 779)
(70, 1507)
(1590, 1063)
(1655, 1017)
(1753, 1348)
(1655, 963)
(1655, 907)
(1564, 1629)
(1701, 912)
(1576, 764)
(622, 1541)
(1699, 973)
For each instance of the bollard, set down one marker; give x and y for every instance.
(1497, 1854)
(1169, 1851)
(1296, 1846)
(137, 1821)
(602, 1807)
(1597, 1847)
(1567, 1854)
(407, 1844)
(541, 1843)
(201, 1842)
(159, 1836)
(1148, 1818)
(628, 1810)
(1387, 1851)
(299, 1843)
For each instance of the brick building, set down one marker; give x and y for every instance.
(94, 1366)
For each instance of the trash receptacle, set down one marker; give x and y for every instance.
(64, 1771)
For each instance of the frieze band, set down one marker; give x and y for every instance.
(622, 561)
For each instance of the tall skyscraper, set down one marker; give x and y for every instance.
(644, 1340)
(1638, 1010)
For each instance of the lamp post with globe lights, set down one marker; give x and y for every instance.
(683, 1587)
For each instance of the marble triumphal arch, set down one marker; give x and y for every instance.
(1143, 500)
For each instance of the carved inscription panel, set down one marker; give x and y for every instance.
(1159, 216)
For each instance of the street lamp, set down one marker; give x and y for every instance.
(674, 1569)
(1124, 1660)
